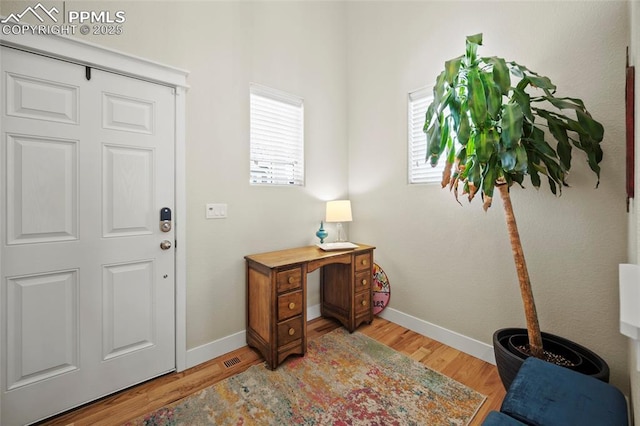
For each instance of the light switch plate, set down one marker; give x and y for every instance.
(216, 211)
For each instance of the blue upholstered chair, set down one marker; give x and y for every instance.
(544, 394)
(496, 418)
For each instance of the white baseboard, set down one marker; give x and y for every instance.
(209, 351)
(457, 341)
(473, 347)
(313, 312)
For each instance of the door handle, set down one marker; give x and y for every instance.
(165, 245)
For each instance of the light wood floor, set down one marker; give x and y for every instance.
(129, 404)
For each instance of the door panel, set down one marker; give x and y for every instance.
(53, 296)
(128, 314)
(128, 191)
(42, 188)
(87, 294)
(41, 99)
(127, 114)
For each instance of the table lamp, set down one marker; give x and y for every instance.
(339, 211)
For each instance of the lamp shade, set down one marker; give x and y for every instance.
(338, 211)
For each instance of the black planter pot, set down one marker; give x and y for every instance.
(509, 359)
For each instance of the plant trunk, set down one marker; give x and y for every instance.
(531, 316)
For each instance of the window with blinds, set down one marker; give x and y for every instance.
(420, 170)
(276, 137)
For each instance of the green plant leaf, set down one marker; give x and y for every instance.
(564, 152)
(455, 107)
(451, 69)
(594, 158)
(486, 143)
(534, 176)
(511, 124)
(508, 159)
(541, 82)
(574, 126)
(523, 83)
(593, 128)
(492, 94)
(476, 98)
(430, 116)
(472, 44)
(445, 137)
(555, 172)
(461, 156)
(522, 160)
(558, 129)
(501, 74)
(522, 70)
(540, 144)
(440, 88)
(522, 98)
(471, 145)
(451, 154)
(464, 131)
(552, 185)
(564, 103)
(516, 71)
(473, 172)
(516, 177)
(433, 133)
(445, 100)
(476, 38)
(489, 179)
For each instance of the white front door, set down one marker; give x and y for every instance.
(87, 293)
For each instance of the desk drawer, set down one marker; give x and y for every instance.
(362, 302)
(289, 305)
(289, 279)
(363, 262)
(363, 280)
(289, 331)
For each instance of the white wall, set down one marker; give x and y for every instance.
(452, 265)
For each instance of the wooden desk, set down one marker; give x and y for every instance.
(277, 295)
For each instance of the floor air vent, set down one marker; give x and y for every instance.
(231, 362)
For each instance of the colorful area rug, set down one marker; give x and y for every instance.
(345, 379)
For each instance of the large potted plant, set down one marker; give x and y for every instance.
(492, 119)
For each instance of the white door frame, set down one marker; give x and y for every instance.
(95, 56)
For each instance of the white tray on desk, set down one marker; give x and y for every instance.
(337, 246)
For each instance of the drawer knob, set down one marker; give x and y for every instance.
(291, 280)
(292, 305)
(364, 303)
(364, 282)
(364, 261)
(292, 331)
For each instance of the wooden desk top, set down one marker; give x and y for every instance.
(276, 259)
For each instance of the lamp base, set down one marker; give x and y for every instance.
(341, 235)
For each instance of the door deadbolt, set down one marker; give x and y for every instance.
(165, 219)
(165, 245)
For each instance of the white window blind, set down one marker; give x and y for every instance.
(276, 137)
(420, 170)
